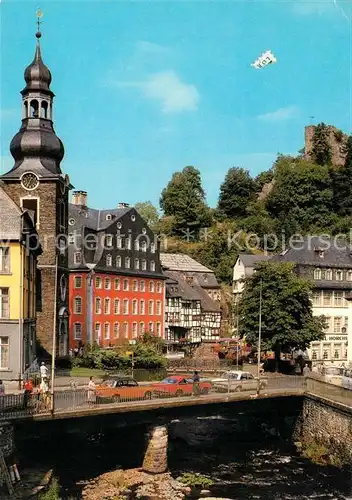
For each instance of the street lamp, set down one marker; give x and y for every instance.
(259, 334)
(91, 267)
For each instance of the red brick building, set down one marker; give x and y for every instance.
(117, 288)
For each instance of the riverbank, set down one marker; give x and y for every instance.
(134, 484)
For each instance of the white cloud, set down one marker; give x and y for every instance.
(280, 114)
(169, 90)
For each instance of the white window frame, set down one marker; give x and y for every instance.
(126, 307)
(152, 265)
(109, 260)
(107, 284)
(107, 305)
(98, 305)
(77, 258)
(4, 352)
(117, 306)
(118, 261)
(77, 328)
(77, 309)
(5, 260)
(4, 302)
(116, 330)
(75, 282)
(117, 283)
(126, 285)
(106, 330)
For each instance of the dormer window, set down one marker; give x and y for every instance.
(77, 258)
(119, 225)
(108, 240)
(109, 260)
(71, 221)
(319, 251)
(133, 218)
(127, 262)
(152, 266)
(152, 247)
(144, 231)
(317, 274)
(108, 217)
(118, 261)
(144, 246)
(339, 275)
(136, 244)
(328, 274)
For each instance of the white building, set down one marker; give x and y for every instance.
(244, 267)
(328, 263)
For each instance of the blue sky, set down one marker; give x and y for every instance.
(146, 88)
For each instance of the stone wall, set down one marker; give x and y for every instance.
(155, 459)
(336, 141)
(326, 425)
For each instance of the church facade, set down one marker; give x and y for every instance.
(37, 184)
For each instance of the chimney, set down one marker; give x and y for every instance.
(80, 198)
(123, 205)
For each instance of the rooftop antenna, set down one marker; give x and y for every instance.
(39, 15)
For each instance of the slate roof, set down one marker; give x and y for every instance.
(176, 286)
(182, 262)
(336, 252)
(95, 219)
(189, 267)
(10, 218)
(249, 260)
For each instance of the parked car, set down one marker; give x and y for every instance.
(237, 381)
(177, 385)
(119, 388)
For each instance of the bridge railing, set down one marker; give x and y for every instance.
(318, 385)
(15, 406)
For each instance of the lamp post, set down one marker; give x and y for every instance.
(259, 334)
(90, 304)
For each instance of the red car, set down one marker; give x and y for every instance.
(179, 386)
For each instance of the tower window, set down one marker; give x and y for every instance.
(34, 109)
(44, 110)
(31, 204)
(77, 258)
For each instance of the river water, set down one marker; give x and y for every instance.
(243, 465)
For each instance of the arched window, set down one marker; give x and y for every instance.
(25, 109)
(134, 306)
(34, 109)
(44, 109)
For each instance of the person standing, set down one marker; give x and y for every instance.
(43, 371)
(91, 391)
(196, 381)
(306, 370)
(44, 391)
(28, 391)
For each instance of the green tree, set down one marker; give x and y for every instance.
(301, 198)
(236, 192)
(321, 149)
(287, 318)
(184, 199)
(263, 178)
(342, 183)
(219, 248)
(148, 212)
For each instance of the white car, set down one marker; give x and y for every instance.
(237, 381)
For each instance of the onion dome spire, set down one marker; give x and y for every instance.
(36, 147)
(37, 75)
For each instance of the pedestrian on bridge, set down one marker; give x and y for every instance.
(44, 372)
(306, 370)
(92, 391)
(196, 381)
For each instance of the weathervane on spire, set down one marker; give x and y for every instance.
(39, 15)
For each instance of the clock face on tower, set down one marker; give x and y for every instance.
(29, 181)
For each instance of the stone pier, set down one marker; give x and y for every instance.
(155, 458)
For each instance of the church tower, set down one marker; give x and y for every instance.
(37, 184)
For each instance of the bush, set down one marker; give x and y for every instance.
(63, 363)
(53, 493)
(196, 480)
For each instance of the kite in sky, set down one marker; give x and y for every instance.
(265, 59)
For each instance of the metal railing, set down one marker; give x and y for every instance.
(15, 406)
